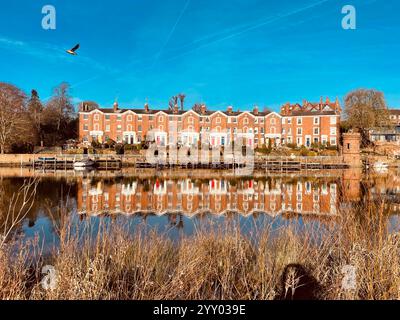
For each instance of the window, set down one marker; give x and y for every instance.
(218, 120)
(190, 120)
(85, 117)
(119, 117)
(299, 131)
(273, 121)
(96, 117)
(85, 127)
(283, 121)
(234, 120)
(333, 141)
(333, 120)
(289, 120)
(151, 118)
(262, 130)
(108, 128)
(316, 131)
(333, 131)
(107, 117)
(246, 121)
(161, 118)
(129, 118)
(119, 127)
(316, 120)
(140, 128)
(299, 121)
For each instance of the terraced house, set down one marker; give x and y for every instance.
(300, 124)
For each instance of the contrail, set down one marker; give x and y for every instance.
(250, 28)
(246, 28)
(171, 32)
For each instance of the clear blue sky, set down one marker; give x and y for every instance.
(225, 52)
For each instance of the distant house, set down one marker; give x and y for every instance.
(388, 135)
(394, 115)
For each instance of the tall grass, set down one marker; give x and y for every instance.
(214, 263)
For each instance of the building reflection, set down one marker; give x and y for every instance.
(272, 196)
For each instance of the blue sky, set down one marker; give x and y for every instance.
(226, 52)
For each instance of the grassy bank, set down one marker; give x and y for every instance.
(222, 264)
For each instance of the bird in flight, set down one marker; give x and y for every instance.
(72, 51)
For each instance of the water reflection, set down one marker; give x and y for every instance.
(182, 199)
(191, 197)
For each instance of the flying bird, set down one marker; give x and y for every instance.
(72, 51)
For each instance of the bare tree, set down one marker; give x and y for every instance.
(173, 102)
(58, 115)
(182, 98)
(365, 109)
(15, 125)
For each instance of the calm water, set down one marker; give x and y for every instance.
(179, 202)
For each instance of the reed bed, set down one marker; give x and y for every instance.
(217, 263)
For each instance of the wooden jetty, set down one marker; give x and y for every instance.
(273, 164)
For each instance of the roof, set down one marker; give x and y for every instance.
(395, 112)
(313, 113)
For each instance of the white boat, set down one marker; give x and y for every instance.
(381, 166)
(84, 164)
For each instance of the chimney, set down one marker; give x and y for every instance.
(255, 110)
(176, 108)
(327, 100)
(146, 107)
(115, 107)
(230, 109)
(305, 103)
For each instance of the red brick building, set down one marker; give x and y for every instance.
(301, 124)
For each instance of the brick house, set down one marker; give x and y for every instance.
(311, 123)
(301, 124)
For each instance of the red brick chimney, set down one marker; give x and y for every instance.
(230, 109)
(176, 108)
(203, 108)
(255, 110)
(146, 108)
(327, 100)
(115, 107)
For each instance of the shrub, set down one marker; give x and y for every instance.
(119, 148)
